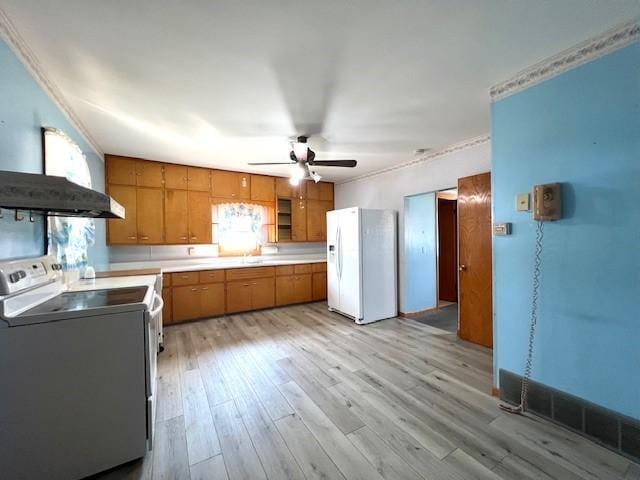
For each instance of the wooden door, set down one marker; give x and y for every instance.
(176, 216)
(263, 188)
(124, 231)
(186, 303)
(149, 215)
(212, 299)
(238, 296)
(298, 220)
(317, 220)
(284, 290)
(198, 179)
(120, 170)
(199, 217)
(319, 283)
(263, 293)
(302, 287)
(175, 176)
(167, 312)
(149, 174)
(447, 250)
(225, 184)
(474, 231)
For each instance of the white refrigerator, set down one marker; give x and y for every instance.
(361, 263)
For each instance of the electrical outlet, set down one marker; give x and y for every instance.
(523, 201)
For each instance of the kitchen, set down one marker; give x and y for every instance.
(319, 240)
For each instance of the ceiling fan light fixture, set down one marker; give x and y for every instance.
(294, 182)
(300, 150)
(316, 177)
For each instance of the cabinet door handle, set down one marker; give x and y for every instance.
(205, 288)
(183, 238)
(245, 284)
(194, 238)
(254, 283)
(144, 237)
(131, 237)
(194, 289)
(185, 277)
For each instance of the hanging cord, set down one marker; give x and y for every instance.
(535, 293)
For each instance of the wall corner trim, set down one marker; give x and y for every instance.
(587, 51)
(18, 45)
(456, 147)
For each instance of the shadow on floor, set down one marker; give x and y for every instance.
(445, 318)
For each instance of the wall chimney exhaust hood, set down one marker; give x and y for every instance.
(54, 196)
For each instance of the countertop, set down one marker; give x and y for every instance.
(186, 265)
(117, 282)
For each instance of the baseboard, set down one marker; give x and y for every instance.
(611, 429)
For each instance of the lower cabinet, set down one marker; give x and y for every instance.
(210, 293)
(319, 286)
(252, 294)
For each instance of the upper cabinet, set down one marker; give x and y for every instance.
(232, 185)
(263, 188)
(198, 179)
(169, 204)
(320, 191)
(148, 174)
(120, 170)
(175, 176)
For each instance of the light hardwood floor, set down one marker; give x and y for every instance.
(299, 392)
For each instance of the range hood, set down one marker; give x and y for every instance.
(54, 196)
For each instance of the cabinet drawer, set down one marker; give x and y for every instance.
(252, 272)
(284, 270)
(319, 267)
(211, 276)
(184, 278)
(166, 279)
(304, 268)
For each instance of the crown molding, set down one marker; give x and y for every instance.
(17, 44)
(614, 39)
(456, 147)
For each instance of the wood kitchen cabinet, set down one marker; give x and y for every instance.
(263, 188)
(149, 215)
(167, 310)
(123, 231)
(293, 286)
(176, 176)
(176, 216)
(120, 170)
(212, 299)
(263, 293)
(149, 174)
(198, 179)
(298, 220)
(319, 286)
(317, 219)
(320, 191)
(232, 185)
(199, 208)
(238, 296)
(186, 303)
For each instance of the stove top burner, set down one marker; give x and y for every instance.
(83, 300)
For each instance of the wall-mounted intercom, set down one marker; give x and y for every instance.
(547, 202)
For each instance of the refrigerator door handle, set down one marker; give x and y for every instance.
(340, 253)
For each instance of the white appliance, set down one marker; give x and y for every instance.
(77, 370)
(361, 263)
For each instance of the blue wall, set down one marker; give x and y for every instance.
(419, 252)
(582, 129)
(24, 109)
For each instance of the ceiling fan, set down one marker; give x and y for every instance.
(303, 159)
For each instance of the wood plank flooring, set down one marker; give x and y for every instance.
(299, 392)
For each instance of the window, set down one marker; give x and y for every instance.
(68, 238)
(241, 228)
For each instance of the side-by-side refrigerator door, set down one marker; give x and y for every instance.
(333, 273)
(349, 261)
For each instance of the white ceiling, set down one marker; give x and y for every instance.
(220, 83)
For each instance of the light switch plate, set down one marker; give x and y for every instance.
(523, 202)
(502, 229)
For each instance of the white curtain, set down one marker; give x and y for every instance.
(68, 237)
(239, 226)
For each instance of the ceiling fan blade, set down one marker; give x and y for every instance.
(272, 163)
(334, 163)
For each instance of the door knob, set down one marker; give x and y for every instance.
(462, 268)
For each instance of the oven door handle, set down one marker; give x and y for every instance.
(158, 309)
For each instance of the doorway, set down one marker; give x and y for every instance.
(447, 247)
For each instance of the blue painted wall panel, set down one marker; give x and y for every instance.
(582, 129)
(420, 252)
(24, 109)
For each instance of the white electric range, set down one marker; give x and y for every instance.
(77, 371)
